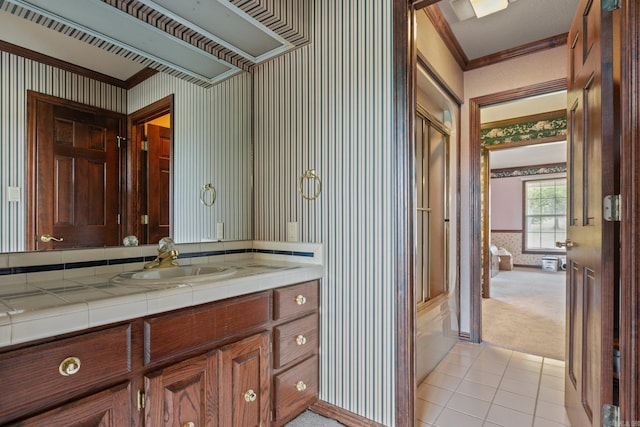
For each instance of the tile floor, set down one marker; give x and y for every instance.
(477, 385)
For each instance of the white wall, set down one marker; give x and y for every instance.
(520, 72)
(505, 203)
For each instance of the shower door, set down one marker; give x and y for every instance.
(432, 216)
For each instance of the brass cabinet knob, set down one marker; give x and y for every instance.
(250, 396)
(301, 386)
(300, 300)
(301, 340)
(189, 424)
(69, 366)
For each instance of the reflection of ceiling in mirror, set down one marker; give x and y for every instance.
(173, 37)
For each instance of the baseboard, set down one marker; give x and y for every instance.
(537, 267)
(464, 336)
(342, 415)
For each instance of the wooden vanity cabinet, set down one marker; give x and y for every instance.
(246, 361)
(109, 408)
(295, 352)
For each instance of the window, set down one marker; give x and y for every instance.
(545, 219)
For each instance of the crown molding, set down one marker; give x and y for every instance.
(444, 30)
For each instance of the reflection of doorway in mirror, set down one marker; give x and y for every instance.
(150, 157)
(73, 172)
(158, 137)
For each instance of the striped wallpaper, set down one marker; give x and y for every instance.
(17, 75)
(328, 107)
(212, 143)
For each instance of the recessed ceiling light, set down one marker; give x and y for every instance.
(487, 7)
(462, 9)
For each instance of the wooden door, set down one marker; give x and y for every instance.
(592, 174)
(185, 394)
(158, 182)
(110, 408)
(75, 170)
(244, 382)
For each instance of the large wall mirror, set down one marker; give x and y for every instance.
(209, 139)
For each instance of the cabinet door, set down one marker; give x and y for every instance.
(110, 408)
(244, 382)
(184, 394)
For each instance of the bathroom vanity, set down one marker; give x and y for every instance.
(247, 357)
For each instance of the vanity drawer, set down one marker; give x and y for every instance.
(175, 333)
(295, 340)
(296, 388)
(37, 374)
(295, 300)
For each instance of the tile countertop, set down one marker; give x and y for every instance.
(47, 308)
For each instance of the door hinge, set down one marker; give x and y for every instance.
(120, 140)
(610, 5)
(610, 416)
(140, 400)
(144, 145)
(144, 219)
(118, 219)
(611, 209)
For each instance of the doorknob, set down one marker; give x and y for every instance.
(48, 237)
(566, 244)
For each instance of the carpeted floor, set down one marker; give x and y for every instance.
(526, 312)
(311, 419)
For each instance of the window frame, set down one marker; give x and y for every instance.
(525, 216)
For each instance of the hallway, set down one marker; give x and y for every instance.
(478, 385)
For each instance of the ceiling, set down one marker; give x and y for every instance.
(521, 23)
(200, 41)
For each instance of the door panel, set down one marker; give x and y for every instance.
(592, 172)
(159, 182)
(76, 176)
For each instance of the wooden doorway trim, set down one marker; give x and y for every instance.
(475, 193)
(404, 66)
(630, 225)
(135, 179)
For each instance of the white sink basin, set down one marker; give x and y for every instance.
(174, 274)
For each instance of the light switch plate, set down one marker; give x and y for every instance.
(220, 230)
(292, 232)
(13, 194)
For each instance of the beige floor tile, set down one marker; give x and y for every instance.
(427, 412)
(451, 418)
(469, 405)
(553, 412)
(515, 401)
(479, 391)
(443, 380)
(508, 417)
(484, 378)
(433, 394)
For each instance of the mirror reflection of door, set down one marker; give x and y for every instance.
(158, 164)
(73, 172)
(432, 186)
(150, 152)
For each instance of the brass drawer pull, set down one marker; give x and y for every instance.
(189, 424)
(69, 366)
(301, 386)
(300, 300)
(301, 340)
(250, 396)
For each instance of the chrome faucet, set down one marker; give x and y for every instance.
(167, 255)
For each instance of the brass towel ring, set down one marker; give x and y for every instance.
(310, 174)
(208, 195)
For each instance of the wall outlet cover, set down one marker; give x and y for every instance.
(292, 232)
